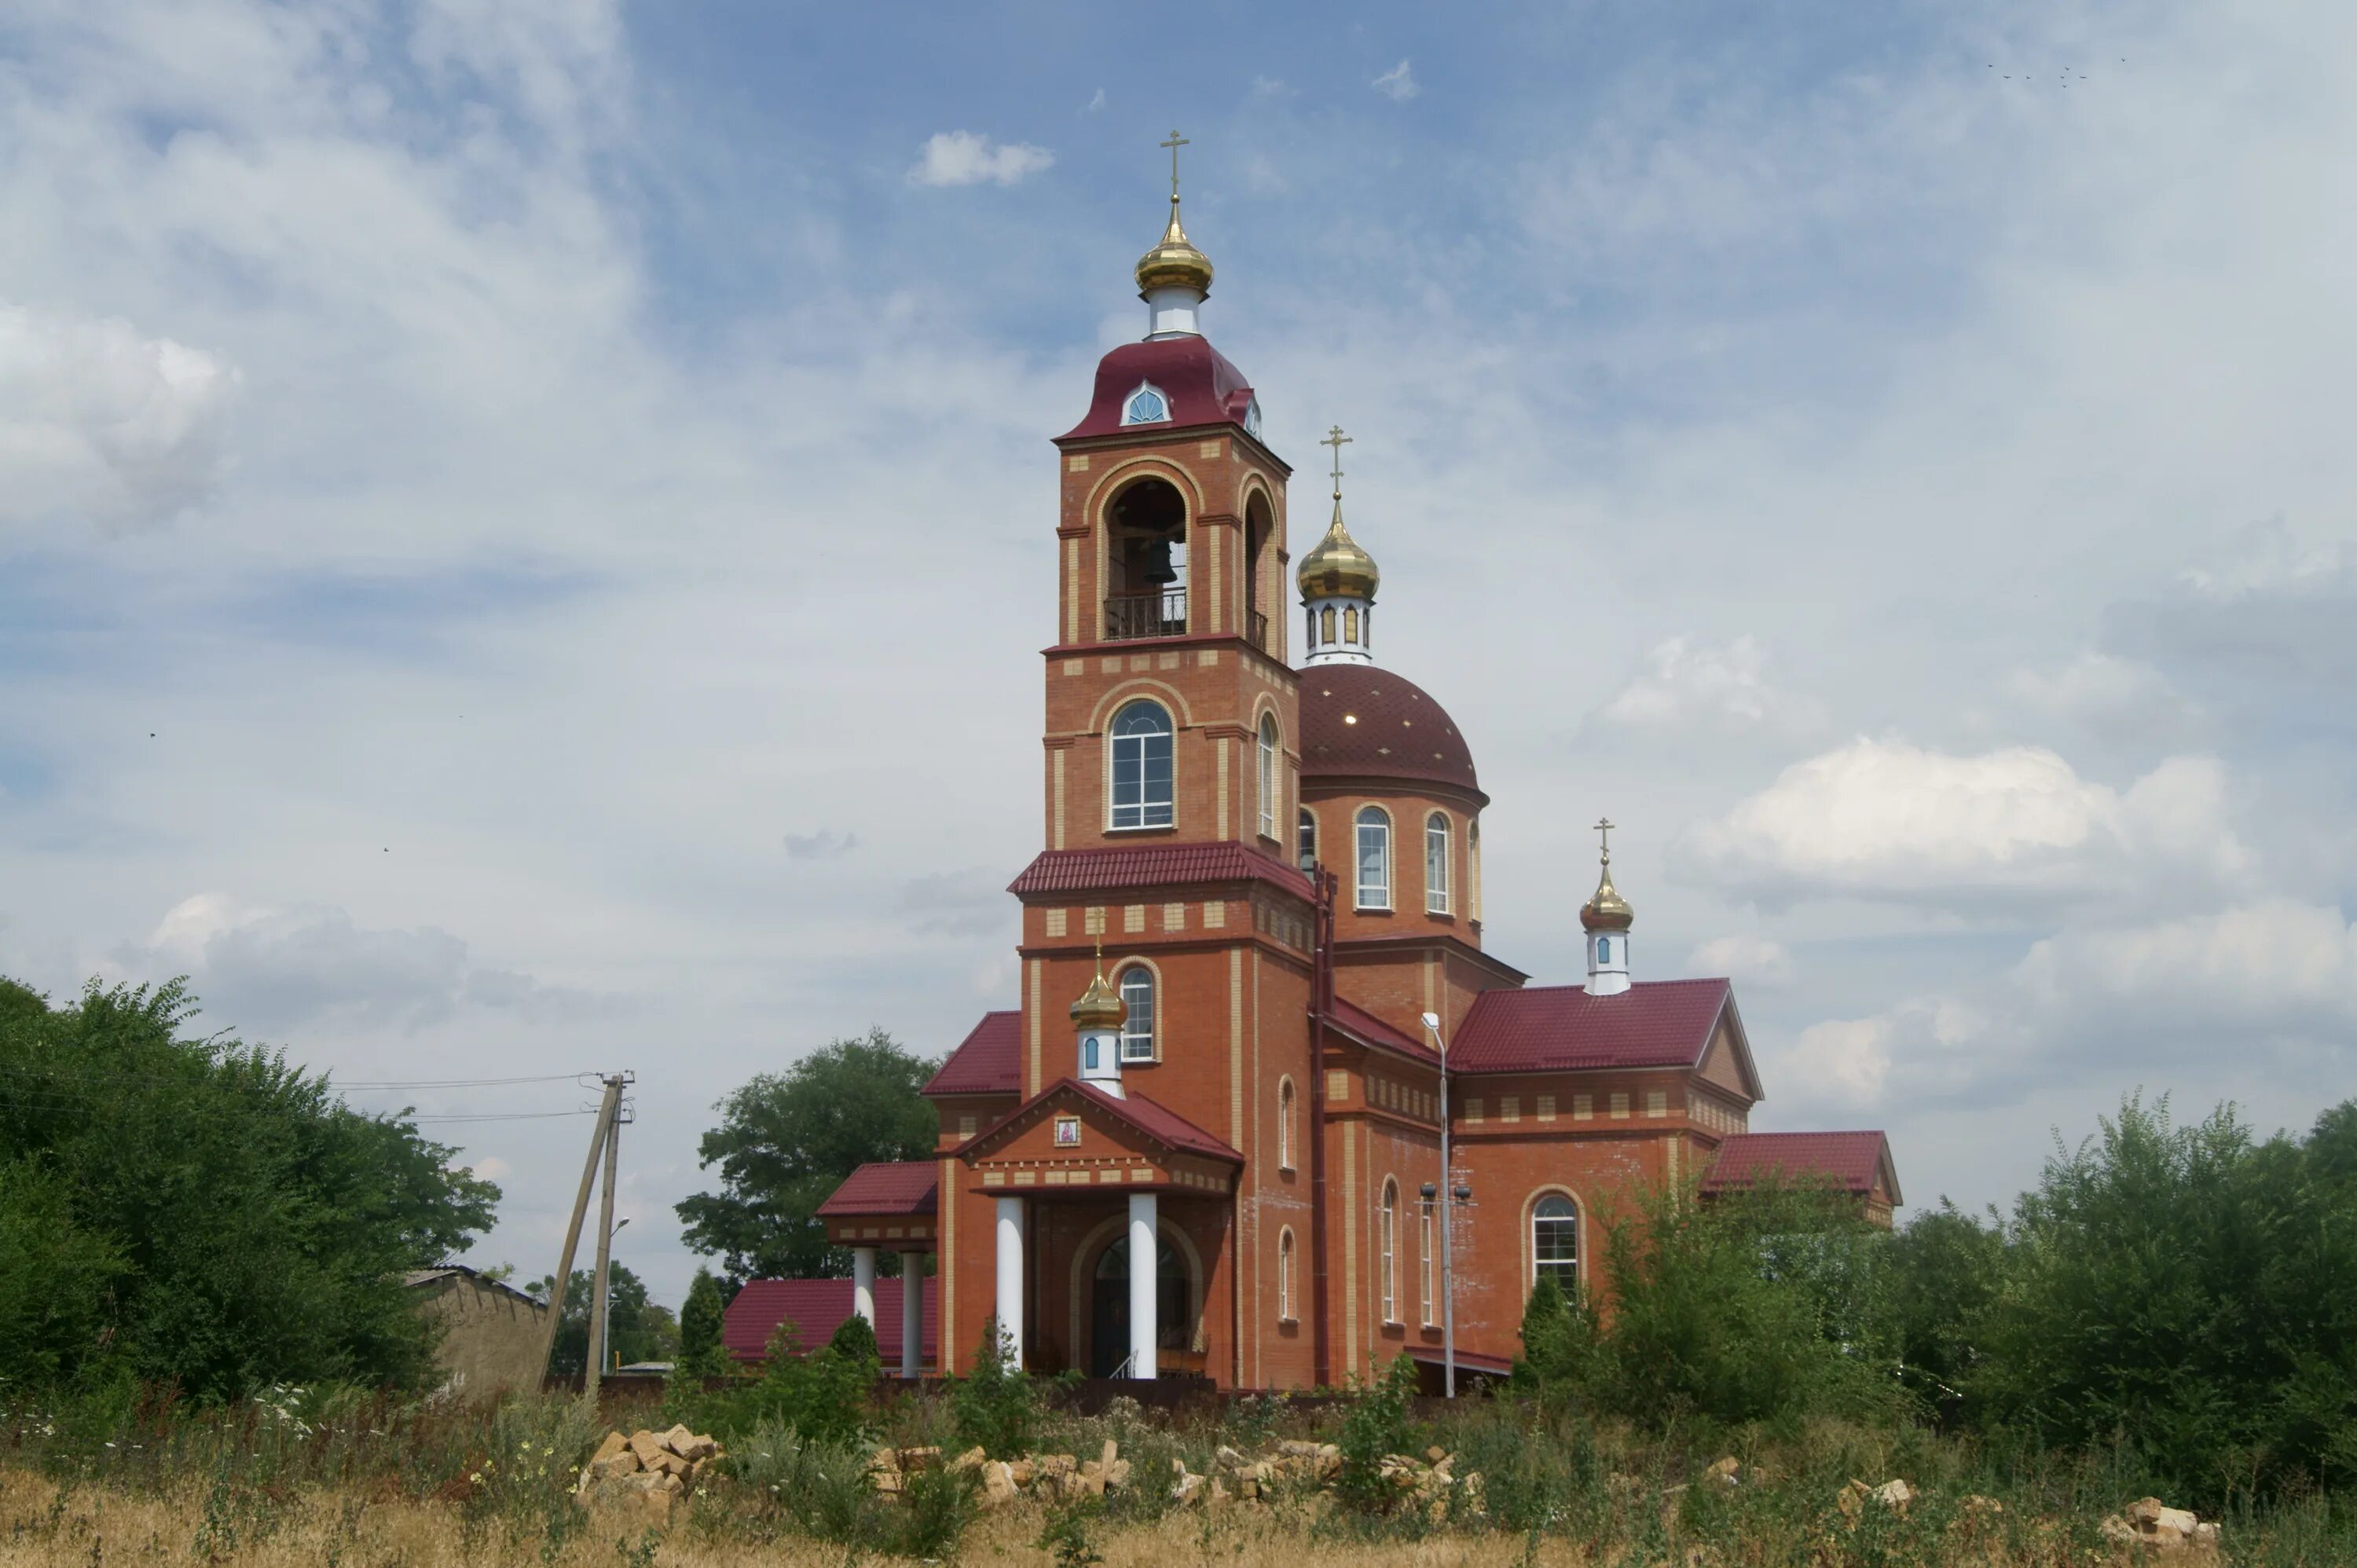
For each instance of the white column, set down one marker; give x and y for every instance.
(1142, 1246)
(1010, 1273)
(912, 1314)
(862, 1283)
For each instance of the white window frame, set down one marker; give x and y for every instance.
(1431, 1260)
(1541, 1267)
(1145, 809)
(1285, 1275)
(1138, 390)
(1285, 1099)
(1139, 1046)
(1269, 793)
(1379, 820)
(1435, 888)
(1388, 1226)
(1305, 836)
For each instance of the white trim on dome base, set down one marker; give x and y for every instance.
(1351, 615)
(1170, 311)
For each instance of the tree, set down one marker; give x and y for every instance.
(787, 1140)
(198, 1212)
(637, 1329)
(701, 1352)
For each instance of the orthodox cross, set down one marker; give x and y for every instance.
(1604, 837)
(1337, 440)
(1174, 143)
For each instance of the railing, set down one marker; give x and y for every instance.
(1160, 612)
(1256, 627)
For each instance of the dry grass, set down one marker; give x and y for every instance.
(92, 1527)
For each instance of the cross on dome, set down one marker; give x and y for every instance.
(1174, 276)
(1337, 440)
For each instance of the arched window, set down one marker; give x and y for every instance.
(1473, 862)
(1326, 623)
(1141, 766)
(1390, 1251)
(1351, 624)
(1310, 630)
(1146, 405)
(1268, 776)
(1431, 1258)
(1285, 1274)
(1555, 1242)
(1285, 1125)
(1374, 859)
(1435, 863)
(1137, 1030)
(1307, 856)
(1604, 949)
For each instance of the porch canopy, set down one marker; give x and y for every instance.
(888, 1203)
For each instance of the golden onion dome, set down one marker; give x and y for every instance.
(1099, 1006)
(1337, 567)
(1174, 260)
(1607, 910)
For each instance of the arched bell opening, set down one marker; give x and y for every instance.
(1145, 562)
(1260, 570)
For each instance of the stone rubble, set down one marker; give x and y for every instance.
(2149, 1523)
(646, 1473)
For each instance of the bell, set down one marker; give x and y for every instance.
(1157, 563)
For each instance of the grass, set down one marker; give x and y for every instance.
(321, 1479)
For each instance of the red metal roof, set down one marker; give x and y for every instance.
(1359, 722)
(989, 1060)
(818, 1308)
(886, 1187)
(1850, 1160)
(1154, 865)
(1353, 1019)
(1202, 387)
(1561, 1028)
(1159, 1122)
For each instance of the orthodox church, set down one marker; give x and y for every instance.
(1208, 1138)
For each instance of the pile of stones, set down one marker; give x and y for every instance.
(1290, 1467)
(1002, 1481)
(2153, 1525)
(646, 1472)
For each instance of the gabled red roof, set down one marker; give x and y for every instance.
(1850, 1161)
(818, 1308)
(886, 1187)
(1364, 1026)
(1154, 865)
(1158, 1123)
(989, 1060)
(1360, 722)
(1562, 1028)
(1202, 386)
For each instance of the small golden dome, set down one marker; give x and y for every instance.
(1099, 1006)
(1607, 910)
(1337, 567)
(1175, 261)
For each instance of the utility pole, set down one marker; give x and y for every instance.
(601, 1137)
(593, 1364)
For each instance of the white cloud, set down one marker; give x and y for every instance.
(826, 843)
(1746, 959)
(101, 423)
(1096, 103)
(1688, 683)
(2272, 966)
(1885, 820)
(962, 157)
(1847, 1061)
(2123, 698)
(1398, 84)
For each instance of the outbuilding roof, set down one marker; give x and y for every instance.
(817, 1309)
(1851, 1160)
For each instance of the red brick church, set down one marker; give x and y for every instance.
(1207, 1137)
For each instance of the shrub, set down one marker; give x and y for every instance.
(1376, 1424)
(701, 1353)
(994, 1405)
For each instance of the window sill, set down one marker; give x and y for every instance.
(1370, 908)
(1284, 1167)
(1161, 828)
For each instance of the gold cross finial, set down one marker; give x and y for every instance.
(1337, 440)
(1604, 835)
(1174, 143)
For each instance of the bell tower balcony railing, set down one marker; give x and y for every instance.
(1159, 612)
(1256, 627)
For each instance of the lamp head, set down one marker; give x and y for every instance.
(1432, 1022)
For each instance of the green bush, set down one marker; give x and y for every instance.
(994, 1405)
(701, 1353)
(1375, 1425)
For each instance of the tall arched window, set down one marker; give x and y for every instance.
(1284, 1125)
(1141, 766)
(1285, 1274)
(1269, 773)
(1473, 863)
(1390, 1251)
(1306, 853)
(1435, 863)
(1431, 1261)
(1137, 1030)
(1374, 859)
(1555, 1242)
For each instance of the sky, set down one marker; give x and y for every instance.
(526, 526)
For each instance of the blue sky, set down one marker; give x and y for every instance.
(565, 488)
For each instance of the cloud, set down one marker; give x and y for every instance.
(1398, 84)
(970, 903)
(1746, 959)
(1846, 1063)
(2275, 966)
(962, 157)
(277, 970)
(1096, 103)
(2266, 619)
(827, 843)
(1884, 820)
(102, 424)
(2119, 699)
(1687, 682)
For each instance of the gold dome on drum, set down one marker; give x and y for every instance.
(1099, 1006)
(1174, 262)
(1337, 567)
(1607, 910)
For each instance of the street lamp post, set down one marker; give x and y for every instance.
(1447, 1198)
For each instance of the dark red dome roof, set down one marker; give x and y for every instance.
(1202, 387)
(1360, 722)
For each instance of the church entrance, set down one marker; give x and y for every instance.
(1109, 1306)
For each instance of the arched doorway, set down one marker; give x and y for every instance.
(1109, 1306)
